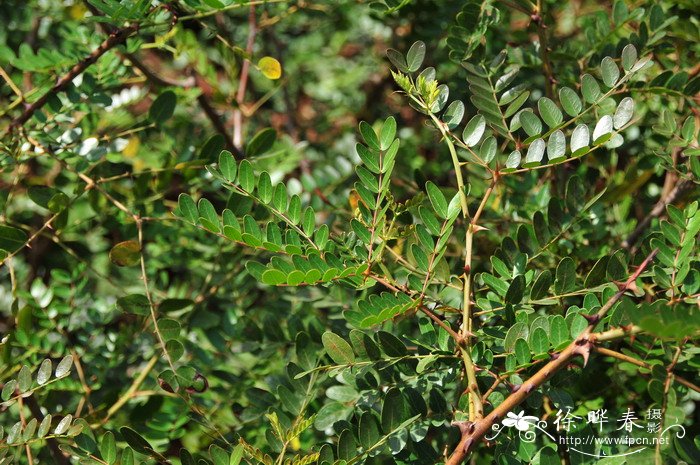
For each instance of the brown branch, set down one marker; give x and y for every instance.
(116, 38)
(582, 345)
(657, 211)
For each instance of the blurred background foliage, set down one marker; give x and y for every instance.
(102, 163)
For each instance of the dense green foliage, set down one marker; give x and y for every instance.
(301, 232)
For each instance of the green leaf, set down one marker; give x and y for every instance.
(623, 113)
(603, 130)
(580, 138)
(11, 239)
(108, 448)
(516, 290)
(127, 253)
(237, 455)
(474, 130)
(522, 351)
(415, 56)
(590, 89)
(547, 456)
(541, 286)
(227, 165)
(516, 104)
(134, 303)
(596, 275)
(388, 132)
(531, 123)
(8, 390)
(534, 153)
(453, 114)
(368, 431)
(513, 160)
(620, 12)
(629, 57)
(274, 277)
(163, 107)
(44, 373)
(361, 231)
(211, 147)
(208, 216)
(44, 426)
(488, 149)
(246, 176)
(135, 440)
(369, 136)
(609, 71)
(549, 112)
(539, 343)
(187, 208)
(570, 102)
(420, 257)
(518, 331)
(265, 187)
(127, 457)
(294, 210)
(565, 276)
(394, 410)
(218, 455)
(558, 331)
(397, 59)
(338, 349)
(261, 143)
(63, 425)
(331, 413)
(168, 328)
(437, 199)
(556, 146)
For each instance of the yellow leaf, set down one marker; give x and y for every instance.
(270, 67)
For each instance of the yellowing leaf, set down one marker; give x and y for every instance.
(127, 253)
(270, 67)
